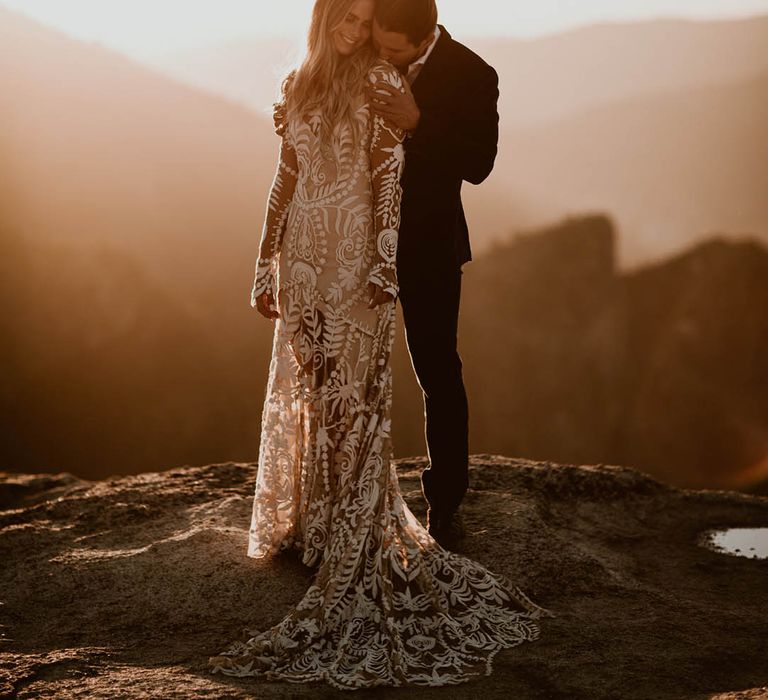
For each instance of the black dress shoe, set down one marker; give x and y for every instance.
(448, 529)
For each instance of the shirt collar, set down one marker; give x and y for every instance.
(423, 59)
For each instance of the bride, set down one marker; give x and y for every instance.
(387, 605)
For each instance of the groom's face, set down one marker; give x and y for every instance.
(396, 47)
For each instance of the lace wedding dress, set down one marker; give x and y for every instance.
(388, 605)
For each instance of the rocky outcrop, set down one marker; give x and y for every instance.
(122, 588)
(568, 358)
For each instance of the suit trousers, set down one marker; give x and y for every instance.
(429, 298)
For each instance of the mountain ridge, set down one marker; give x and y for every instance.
(649, 161)
(540, 78)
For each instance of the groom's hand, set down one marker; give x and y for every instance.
(398, 107)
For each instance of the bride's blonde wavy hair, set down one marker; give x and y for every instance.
(325, 80)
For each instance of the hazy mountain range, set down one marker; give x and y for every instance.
(97, 149)
(659, 122)
(663, 124)
(540, 79)
(131, 207)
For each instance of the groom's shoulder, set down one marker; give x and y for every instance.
(466, 58)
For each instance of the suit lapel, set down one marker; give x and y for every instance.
(431, 74)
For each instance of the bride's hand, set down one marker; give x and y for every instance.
(377, 295)
(265, 304)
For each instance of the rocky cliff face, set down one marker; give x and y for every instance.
(122, 588)
(662, 368)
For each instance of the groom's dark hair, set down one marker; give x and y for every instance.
(414, 18)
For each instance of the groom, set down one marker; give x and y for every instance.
(449, 113)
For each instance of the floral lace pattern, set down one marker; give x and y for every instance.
(388, 605)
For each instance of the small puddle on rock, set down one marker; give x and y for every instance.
(750, 542)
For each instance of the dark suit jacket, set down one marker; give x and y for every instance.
(456, 140)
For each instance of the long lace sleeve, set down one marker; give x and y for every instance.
(280, 196)
(387, 158)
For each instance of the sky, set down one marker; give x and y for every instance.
(147, 28)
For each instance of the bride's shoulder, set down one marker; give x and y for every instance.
(385, 71)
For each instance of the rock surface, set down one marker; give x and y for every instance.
(122, 588)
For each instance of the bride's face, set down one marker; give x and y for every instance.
(355, 28)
